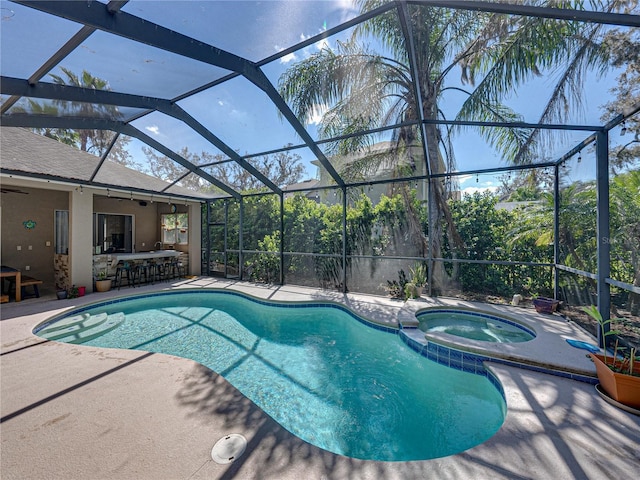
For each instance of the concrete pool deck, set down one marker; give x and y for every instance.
(74, 412)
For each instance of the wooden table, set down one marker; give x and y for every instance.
(12, 272)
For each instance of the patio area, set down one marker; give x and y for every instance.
(70, 411)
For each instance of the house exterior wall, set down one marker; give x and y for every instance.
(38, 205)
(147, 218)
(81, 239)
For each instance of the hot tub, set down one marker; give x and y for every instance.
(474, 325)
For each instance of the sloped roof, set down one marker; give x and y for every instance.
(25, 152)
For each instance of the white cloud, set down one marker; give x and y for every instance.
(322, 44)
(290, 57)
(153, 129)
(221, 103)
(472, 190)
(319, 45)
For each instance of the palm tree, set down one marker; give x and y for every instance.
(93, 141)
(365, 89)
(62, 135)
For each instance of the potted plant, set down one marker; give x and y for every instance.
(545, 305)
(72, 292)
(411, 290)
(396, 288)
(419, 277)
(619, 375)
(103, 284)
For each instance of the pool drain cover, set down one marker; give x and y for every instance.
(228, 448)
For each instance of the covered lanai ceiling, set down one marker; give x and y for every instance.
(199, 82)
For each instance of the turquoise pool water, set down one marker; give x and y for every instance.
(475, 326)
(321, 373)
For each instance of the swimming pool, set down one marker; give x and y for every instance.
(474, 326)
(320, 371)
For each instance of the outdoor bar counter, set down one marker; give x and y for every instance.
(127, 257)
(106, 263)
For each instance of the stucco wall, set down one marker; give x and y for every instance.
(37, 205)
(147, 231)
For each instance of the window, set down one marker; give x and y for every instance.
(175, 228)
(112, 233)
(61, 226)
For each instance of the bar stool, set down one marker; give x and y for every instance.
(169, 272)
(154, 271)
(159, 270)
(175, 268)
(122, 269)
(144, 269)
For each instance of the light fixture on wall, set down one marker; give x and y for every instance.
(152, 198)
(130, 195)
(624, 129)
(108, 193)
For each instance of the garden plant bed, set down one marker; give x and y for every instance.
(629, 325)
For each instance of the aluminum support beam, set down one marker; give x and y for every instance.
(344, 240)
(52, 91)
(42, 121)
(61, 54)
(281, 239)
(240, 237)
(602, 229)
(534, 11)
(98, 16)
(556, 230)
(129, 26)
(104, 156)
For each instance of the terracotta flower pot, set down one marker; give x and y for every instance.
(623, 388)
(103, 285)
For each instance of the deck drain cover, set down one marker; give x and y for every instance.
(228, 448)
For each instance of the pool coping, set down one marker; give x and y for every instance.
(97, 420)
(551, 332)
(186, 291)
(452, 351)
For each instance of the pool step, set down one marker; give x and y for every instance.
(72, 324)
(82, 328)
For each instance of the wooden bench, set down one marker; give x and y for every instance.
(30, 282)
(26, 281)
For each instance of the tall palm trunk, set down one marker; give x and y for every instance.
(439, 212)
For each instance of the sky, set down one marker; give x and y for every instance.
(237, 112)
